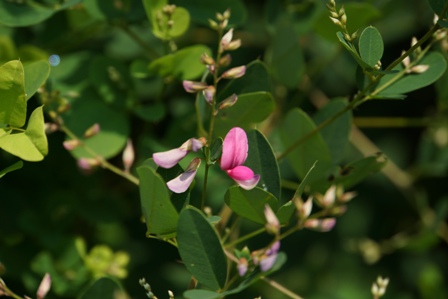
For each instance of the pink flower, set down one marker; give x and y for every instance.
(234, 154)
(44, 286)
(268, 258)
(181, 183)
(170, 158)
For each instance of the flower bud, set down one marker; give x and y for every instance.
(321, 225)
(303, 208)
(88, 163)
(194, 86)
(226, 13)
(50, 128)
(225, 60)
(233, 45)
(418, 69)
(228, 102)
(272, 223)
(224, 24)
(226, 39)
(44, 286)
(234, 73)
(207, 60)
(242, 266)
(92, 131)
(71, 144)
(209, 94)
(336, 21)
(327, 200)
(128, 156)
(213, 24)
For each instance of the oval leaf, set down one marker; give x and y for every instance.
(36, 73)
(371, 46)
(12, 94)
(159, 213)
(296, 127)
(200, 249)
(261, 159)
(250, 204)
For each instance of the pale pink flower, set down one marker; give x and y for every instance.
(181, 183)
(170, 158)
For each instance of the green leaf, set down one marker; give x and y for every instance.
(152, 9)
(203, 10)
(216, 149)
(113, 135)
(24, 14)
(250, 204)
(110, 79)
(298, 126)
(200, 249)
(112, 10)
(184, 64)
(152, 112)
(355, 172)
(359, 14)
(261, 159)
(285, 55)
(411, 82)
(12, 94)
(335, 135)
(253, 277)
(371, 46)
(13, 167)
(36, 73)
(438, 6)
(159, 213)
(250, 108)
(255, 79)
(30, 145)
(351, 50)
(159, 21)
(104, 288)
(285, 212)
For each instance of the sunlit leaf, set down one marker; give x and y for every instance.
(13, 167)
(12, 94)
(36, 73)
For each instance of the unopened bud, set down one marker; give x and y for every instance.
(44, 286)
(194, 86)
(209, 94)
(224, 24)
(92, 131)
(71, 144)
(169, 9)
(228, 102)
(225, 60)
(334, 14)
(213, 24)
(344, 19)
(88, 163)
(242, 266)
(207, 60)
(339, 210)
(303, 208)
(234, 73)
(171, 294)
(418, 69)
(226, 13)
(336, 21)
(64, 106)
(128, 156)
(272, 223)
(327, 200)
(233, 45)
(321, 225)
(341, 11)
(219, 17)
(50, 128)
(226, 39)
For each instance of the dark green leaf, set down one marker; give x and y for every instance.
(104, 288)
(216, 149)
(371, 46)
(351, 50)
(438, 7)
(36, 73)
(114, 125)
(255, 79)
(261, 159)
(298, 126)
(151, 113)
(159, 213)
(200, 249)
(285, 55)
(251, 108)
(335, 135)
(201, 294)
(24, 14)
(411, 82)
(111, 10)
(250, 204)
(203, 10)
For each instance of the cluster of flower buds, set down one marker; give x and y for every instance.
(147, 287)
(222, 20)
(339, 18)
(164, 16)
(263, 258)
(303, 212)
(413, 69)
(379, 287)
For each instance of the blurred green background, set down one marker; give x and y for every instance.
(395, 227)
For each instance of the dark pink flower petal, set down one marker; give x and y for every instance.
(234, 149)
(241, 173)
(169, 158)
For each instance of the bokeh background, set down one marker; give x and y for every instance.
(396, 226)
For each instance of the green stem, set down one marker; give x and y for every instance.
(103, 163)
(151, 53)
(245, 237)
(281, 288)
